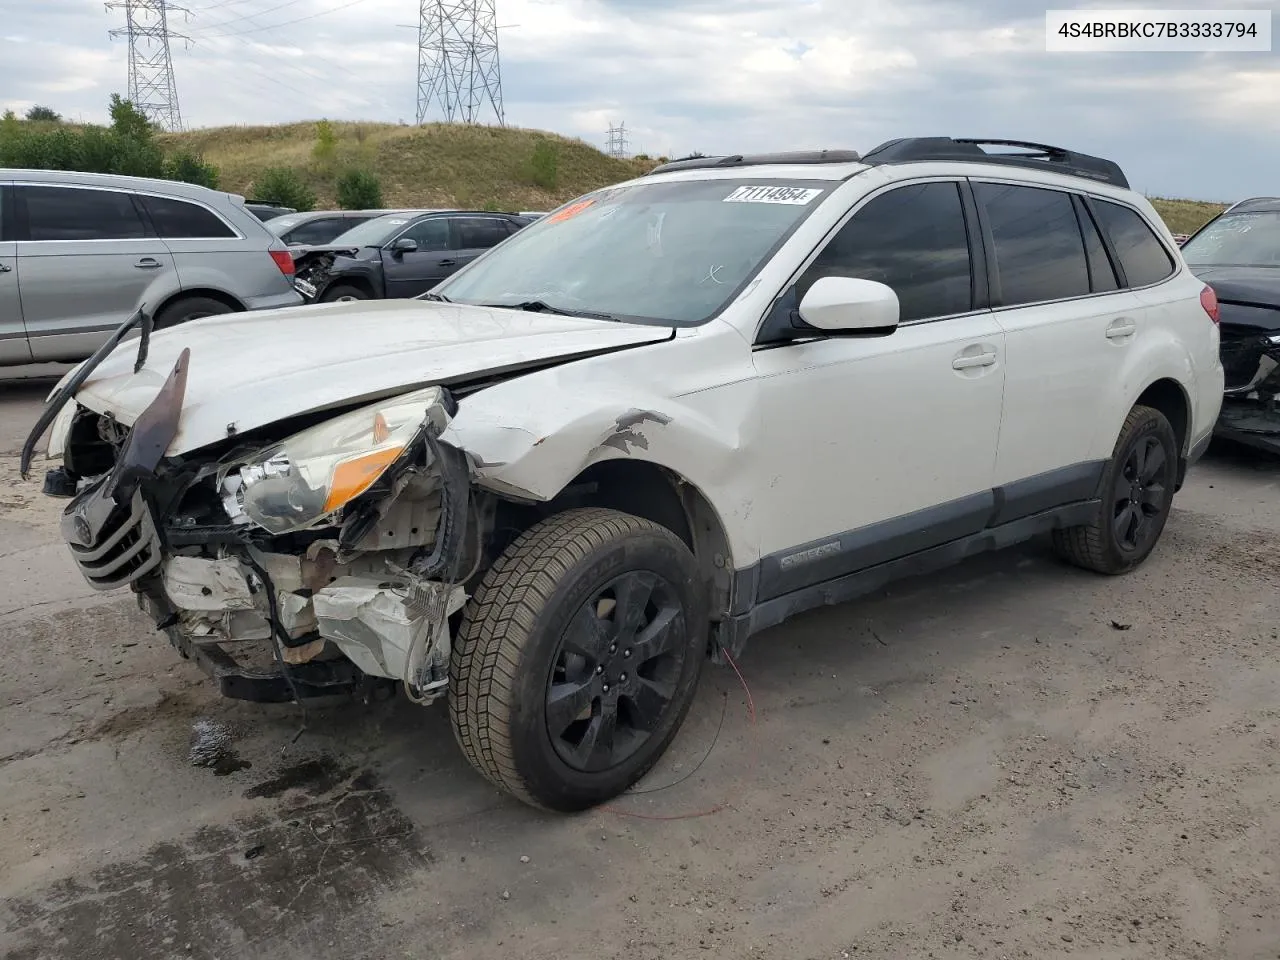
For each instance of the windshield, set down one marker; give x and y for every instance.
(673, 252)
(373, 233)
(279, 225)
(1238, 240)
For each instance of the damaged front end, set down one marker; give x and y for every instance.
(1251, 401)
(323, 562)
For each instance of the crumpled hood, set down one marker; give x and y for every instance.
(1253, 285)
(251, 369)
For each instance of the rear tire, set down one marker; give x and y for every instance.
(578, 657)
(1137, 493)
(190, 308)
(344, 293)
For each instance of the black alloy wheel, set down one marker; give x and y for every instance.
(1135, 499)
(616, 671)
(1140, 494)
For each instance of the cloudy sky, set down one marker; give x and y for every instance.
(709, 75)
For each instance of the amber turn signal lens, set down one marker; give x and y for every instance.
(354, 477)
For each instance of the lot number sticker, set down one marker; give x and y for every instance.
(796, 196)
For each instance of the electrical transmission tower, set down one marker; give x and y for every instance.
(151, 86)
(458, 60)
(616, 145)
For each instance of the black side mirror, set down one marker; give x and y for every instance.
(405, 245)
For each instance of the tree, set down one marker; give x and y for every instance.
(283, 186)
(127, 120)
(359, 190)
(43, 113)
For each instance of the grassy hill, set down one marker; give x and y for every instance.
(457, 165)
(437, 165)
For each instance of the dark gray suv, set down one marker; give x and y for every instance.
(80, 252)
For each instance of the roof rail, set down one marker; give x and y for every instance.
(1251, 200)
(759, 159)
(1034, 155)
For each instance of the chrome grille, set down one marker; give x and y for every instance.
(125, 548)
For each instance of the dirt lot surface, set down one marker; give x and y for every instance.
(1013, 759)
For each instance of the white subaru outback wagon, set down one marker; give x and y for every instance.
(668, 415)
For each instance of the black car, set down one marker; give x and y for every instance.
(1238, 255)
(399, 255)
(267, 211)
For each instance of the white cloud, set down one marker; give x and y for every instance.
(710, 75)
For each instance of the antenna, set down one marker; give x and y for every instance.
(151, 86)
(458, 66)
(616, 145)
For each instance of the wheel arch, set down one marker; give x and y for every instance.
(192, 292)
(665, 497)
(1170, 397)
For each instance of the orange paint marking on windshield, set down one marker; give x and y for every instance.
(570, 211)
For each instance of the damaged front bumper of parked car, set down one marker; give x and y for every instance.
(1251, 403)
(321, 562)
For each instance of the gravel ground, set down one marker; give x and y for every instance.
(1011, 759)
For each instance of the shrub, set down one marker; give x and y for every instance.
(43, 113)
(191, 168)
(544, 165)
(283, 186)
(326, 145)
(359, 190)
(127, 120)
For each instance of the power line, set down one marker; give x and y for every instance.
(287, 23)
(458, 66)
(152, 89)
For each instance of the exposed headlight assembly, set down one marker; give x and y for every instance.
(60, 430)
(296, 483)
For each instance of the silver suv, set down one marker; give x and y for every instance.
(80, 252)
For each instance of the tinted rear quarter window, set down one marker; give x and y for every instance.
(913, 240)
(1039, 251)
(80, 213)
(179, 220)
(1142, 257)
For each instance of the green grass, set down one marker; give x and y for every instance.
(438, 165)
(447, 165)
(1186, 216)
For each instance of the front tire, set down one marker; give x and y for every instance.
(578, 658)
(1137, 494)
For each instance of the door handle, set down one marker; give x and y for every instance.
(1120, 328)
(147, 263)
(974, 360)
(447, 263)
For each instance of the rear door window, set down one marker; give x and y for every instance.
(81, 213)
(480, 233)
(1142, 257)
(179, 220)
(1040, 254)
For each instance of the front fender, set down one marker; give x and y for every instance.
(529, 438)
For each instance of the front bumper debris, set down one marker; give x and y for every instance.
(1251, 404)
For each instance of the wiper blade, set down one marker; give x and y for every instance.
(541, 306)
(440, 297)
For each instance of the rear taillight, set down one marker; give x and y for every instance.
(1209, 300)
(284, 260)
